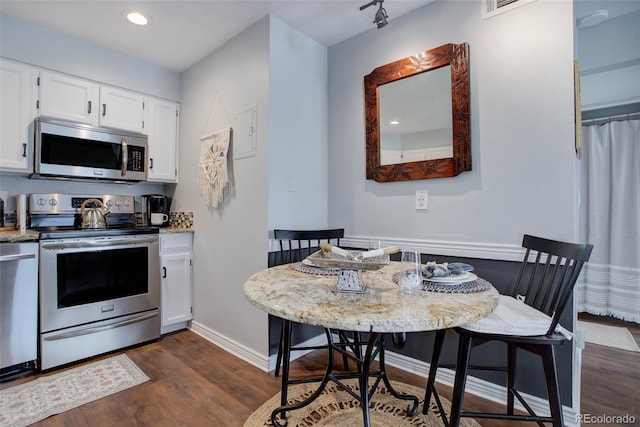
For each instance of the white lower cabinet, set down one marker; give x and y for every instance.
(175, 266)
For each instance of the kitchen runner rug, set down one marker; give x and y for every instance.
(610, 336)
(335, 407)
(36, 400)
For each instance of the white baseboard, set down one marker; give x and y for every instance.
(481, 388)
(250, 356)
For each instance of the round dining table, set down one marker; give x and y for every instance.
(299, 293)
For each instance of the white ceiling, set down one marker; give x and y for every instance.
(182, 31)
(614, 8)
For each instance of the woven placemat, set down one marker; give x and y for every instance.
(477, 285)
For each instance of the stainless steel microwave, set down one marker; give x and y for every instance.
(71, 150)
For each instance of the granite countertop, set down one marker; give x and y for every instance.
(32, 235)
(13, 236)
(308, 298)
(172, 229)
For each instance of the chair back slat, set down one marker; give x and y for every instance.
(546, 282)
(292, 242)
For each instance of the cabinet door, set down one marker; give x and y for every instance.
(162, 127)
(176, 288)
(68, 98)
(121, 109)
(17, 112)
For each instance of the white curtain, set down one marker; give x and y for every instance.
(610, 219)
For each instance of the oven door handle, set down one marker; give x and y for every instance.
(97, 243)
(94, 329)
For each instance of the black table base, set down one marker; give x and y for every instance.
(374, 348)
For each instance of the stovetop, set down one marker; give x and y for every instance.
(57, 216)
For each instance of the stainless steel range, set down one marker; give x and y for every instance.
(100, 286)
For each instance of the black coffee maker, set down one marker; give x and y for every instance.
(155, 210)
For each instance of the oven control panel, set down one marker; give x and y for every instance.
(58, 203)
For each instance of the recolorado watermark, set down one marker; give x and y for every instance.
(605, 419)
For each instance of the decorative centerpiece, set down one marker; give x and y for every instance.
(350, 264)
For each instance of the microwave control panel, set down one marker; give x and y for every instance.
(136, 159)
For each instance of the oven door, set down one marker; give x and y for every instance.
(91, 279)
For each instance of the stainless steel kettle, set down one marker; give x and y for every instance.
(93, 218)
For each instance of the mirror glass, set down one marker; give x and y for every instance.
(417, 116)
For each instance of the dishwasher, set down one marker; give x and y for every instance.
(18, 307)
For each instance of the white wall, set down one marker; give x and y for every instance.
(609, 56)
(521, 129)
(284, 72)
(25, 42)
(298, 135)
(230, 244)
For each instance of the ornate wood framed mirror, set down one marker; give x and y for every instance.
(417, 116)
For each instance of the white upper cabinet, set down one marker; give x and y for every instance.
(83, 101)
(121, 109)
(68, 98)
(18, 98)
(162, 127)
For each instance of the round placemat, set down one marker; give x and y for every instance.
(477, 285)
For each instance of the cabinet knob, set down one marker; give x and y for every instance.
(88, 107)
(104, 110)
(24, 149)
(164, 272)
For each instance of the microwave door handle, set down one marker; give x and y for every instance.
(125, 157)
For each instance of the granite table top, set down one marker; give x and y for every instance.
(383, 307)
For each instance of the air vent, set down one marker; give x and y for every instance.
(494, 7)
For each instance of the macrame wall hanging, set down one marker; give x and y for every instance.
(213, 167)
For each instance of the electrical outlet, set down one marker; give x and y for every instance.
(421, 199)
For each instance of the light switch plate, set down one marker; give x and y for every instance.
(421, 199)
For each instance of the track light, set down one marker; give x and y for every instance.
(381, 15)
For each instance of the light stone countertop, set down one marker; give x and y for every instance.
(13, 236)
(171, 229)
(308, 298)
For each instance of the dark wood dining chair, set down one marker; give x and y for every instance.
(528, 319)
(296, 245)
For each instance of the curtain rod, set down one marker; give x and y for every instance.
(608, 119)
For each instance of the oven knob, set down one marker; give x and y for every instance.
(41, 202)
(108, 203)
(53, 202)
(118, 203)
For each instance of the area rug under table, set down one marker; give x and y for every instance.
(36, 400)
(335, 407)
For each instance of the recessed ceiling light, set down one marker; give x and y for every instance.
(593, 18)
(394, 122)
(137, 18)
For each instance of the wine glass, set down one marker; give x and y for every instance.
(411, 279)
(375, 244)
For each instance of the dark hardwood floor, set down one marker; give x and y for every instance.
(195, 383)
